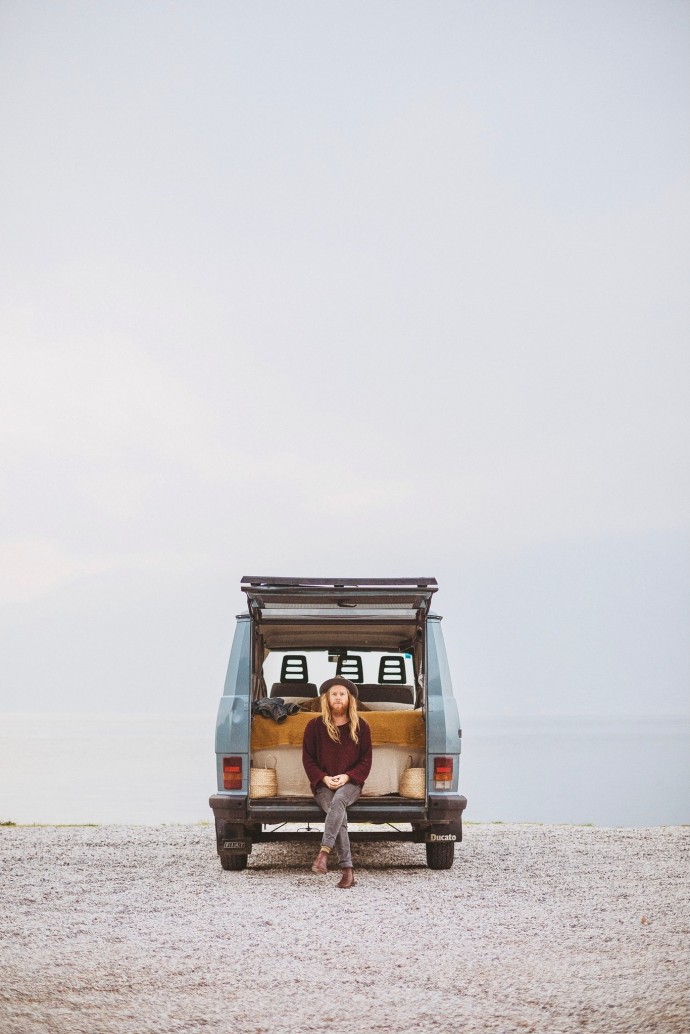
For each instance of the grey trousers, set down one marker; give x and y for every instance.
(335, 804)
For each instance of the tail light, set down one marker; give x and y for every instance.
(232, 773)
(443, 773)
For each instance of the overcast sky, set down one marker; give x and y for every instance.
(364, 289)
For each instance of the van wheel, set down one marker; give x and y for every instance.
(233, 862)
(440, 856)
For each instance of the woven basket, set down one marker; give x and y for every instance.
(263, 782)
(413, 783)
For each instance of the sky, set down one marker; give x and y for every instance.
(361, 289)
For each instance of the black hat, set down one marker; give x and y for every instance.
(339, 681)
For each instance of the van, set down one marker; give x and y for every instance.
(380, 634)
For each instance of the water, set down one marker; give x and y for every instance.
(58, 768)
(607, 771)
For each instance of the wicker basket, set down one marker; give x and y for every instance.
(263, 782)
(413, 783)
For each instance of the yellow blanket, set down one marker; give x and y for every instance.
(405, 728)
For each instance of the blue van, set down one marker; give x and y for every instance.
(380, 634)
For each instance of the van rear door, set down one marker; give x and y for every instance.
(269, 594)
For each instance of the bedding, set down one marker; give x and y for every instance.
(398, 740)
(401, 728)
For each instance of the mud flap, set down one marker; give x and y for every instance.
(232, 838)
(446, 832)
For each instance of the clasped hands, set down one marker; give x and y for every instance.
(334, 782)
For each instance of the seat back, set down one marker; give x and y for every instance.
(392, 671)
(350, 668)
(294, 668)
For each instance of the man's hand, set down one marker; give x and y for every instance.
(333, 782)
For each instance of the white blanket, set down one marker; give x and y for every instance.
(387, 765)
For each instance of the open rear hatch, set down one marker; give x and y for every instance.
(268, 597)
(366, 613)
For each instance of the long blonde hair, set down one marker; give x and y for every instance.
(353, 718)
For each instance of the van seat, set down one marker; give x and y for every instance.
(294, 680)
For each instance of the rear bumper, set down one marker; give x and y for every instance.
(240, 817)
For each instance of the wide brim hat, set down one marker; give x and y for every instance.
(338, 680)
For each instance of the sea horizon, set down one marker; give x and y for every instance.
(106, 767)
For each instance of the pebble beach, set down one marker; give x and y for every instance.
(536, 928)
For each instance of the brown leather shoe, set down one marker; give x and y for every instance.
(347, 879)
(321, 863)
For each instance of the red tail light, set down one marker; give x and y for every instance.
(232, 773)
(443, 773)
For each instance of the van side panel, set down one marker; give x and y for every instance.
(233, 722)
(443, 733)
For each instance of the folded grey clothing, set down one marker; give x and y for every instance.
(275, 708)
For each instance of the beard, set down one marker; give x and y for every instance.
(338, 710)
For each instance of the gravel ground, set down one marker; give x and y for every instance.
(536, 928)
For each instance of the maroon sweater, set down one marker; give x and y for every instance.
(322, 757)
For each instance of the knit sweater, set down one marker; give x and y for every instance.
(321, 756)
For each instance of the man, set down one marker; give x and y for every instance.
(336, 754)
